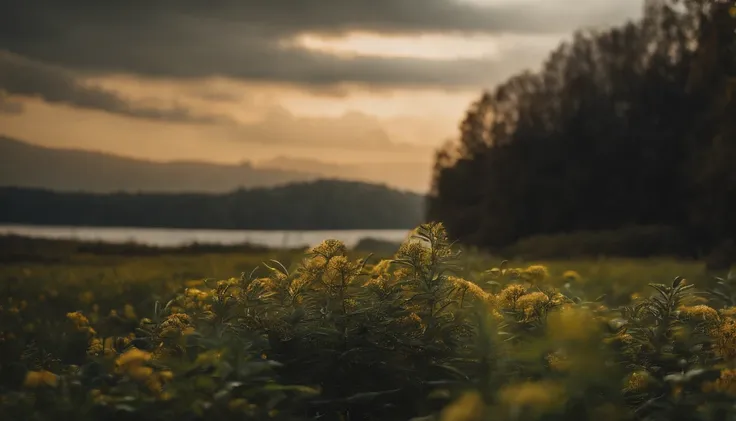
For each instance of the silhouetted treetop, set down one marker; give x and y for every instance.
(628, 126)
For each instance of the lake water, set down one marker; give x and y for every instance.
(177, 237)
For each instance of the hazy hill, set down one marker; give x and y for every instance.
(413, 176)
(26, 165)
(318, 205)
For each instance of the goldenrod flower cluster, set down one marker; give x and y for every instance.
(41, 378)
(700, 312)
(81, 323)
(725, 384)
(637, 381)
(534, 397)
(176, 325)
(132, 364)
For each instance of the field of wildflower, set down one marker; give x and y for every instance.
(425, 334)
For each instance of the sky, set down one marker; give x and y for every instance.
(342, 81)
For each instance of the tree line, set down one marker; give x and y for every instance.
(625, 127)
(319, 205)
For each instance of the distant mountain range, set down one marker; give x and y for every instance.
(30, 166)
(315, 205)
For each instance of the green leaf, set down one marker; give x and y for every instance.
(306, 390)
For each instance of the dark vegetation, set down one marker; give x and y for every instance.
(319, 205)
(629, 127)
(425, 334)
(15, 248)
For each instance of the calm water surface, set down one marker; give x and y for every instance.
(178, 237)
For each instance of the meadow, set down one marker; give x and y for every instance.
(426, 332)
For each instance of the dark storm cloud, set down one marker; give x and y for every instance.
(244, 38)
(24, 77)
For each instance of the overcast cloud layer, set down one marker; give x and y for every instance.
(21, 76)
(245, 39)
(55, 49)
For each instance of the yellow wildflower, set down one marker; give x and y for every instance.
(572, 323)
(176, 325)
(196, 293)
(81, 323)
(378, 285)
(509, 295)
(724, 339)
(166, 375)
(535, 274)
(225, 283)
(538, 397)
(532, 304)
(637, 381)
(557, 299)
(79, 320)
(403, 273)
(139, 372)
(94, 347)
(728, 312)
(700, 312)
(497, 315)
(414, 252)
(725, 384)
(340, 269)
(130, 360)
(109, 346)
(329, 248)
(468, 290)
(381, 268)
(412, 321)
(469, 407)
(194, 283)
(41, 378)
(572, 276)
(513, 273)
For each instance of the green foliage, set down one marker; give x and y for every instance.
(427, 333)
(626, 242)
(629, 126)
